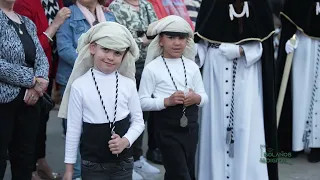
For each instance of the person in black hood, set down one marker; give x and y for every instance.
(299, 121)
(235, 50)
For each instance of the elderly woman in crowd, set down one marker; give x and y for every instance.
(84, 15)
(48, 16)
(23, 80)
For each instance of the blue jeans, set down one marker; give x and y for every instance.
(77, 165)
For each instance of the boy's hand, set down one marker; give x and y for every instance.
(67, 176)
(192, 98)
(174, 99)
(145, 40)
(69, 172)
(118, 144)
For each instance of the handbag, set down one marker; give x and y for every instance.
(47, 103)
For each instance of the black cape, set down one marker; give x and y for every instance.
(302, 14)
(213, 25)
(296, 15)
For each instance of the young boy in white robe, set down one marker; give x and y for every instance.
(103, 102)
(172, 87)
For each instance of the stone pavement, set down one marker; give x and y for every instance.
(294, 169)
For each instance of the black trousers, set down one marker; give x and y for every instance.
(107, 171)
(137, 145)
(40, 146)
(178, 149)
(152, 144)
(177, 144)
(18, 129)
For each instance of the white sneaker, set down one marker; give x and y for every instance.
(143, 166)
(136, 176)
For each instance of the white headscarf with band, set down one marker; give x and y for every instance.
(170, 23)
(110, 35)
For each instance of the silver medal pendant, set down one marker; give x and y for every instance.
(183, 121)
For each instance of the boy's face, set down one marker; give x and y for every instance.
(104, 59)
(173, 46)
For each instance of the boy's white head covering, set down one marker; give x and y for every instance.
(110, 35)
(170, 23)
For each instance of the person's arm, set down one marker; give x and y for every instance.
(252, 52)
(15, 74)
(65, 47)
(137, 123)
(199, 88)
(201, 49)
(60, 18)
(74, 126)
(147, 86)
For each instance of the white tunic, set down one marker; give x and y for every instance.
(304, 70)
(214, 161)
(85, 106)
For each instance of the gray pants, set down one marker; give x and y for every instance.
(107, 171)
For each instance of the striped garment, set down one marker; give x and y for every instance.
(193, 7)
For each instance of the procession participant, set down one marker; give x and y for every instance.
(235, 49)
(298, 128)
(172, 87)
(102, 100)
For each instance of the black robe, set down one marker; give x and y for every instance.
(213, 25)
(296, 15)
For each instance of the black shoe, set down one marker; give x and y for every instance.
(314, 155)
(295, 154)
(155, 156)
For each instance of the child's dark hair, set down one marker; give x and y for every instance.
(175, 34)
(101, 2)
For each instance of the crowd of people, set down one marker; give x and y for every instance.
(209, 79)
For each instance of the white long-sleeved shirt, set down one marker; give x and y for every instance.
(85, 106)
(156, 81)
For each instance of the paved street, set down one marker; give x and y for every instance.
(295, 169)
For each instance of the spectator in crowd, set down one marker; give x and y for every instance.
(84, 14)
(48, 16)
(136, 15)
(23, 80)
